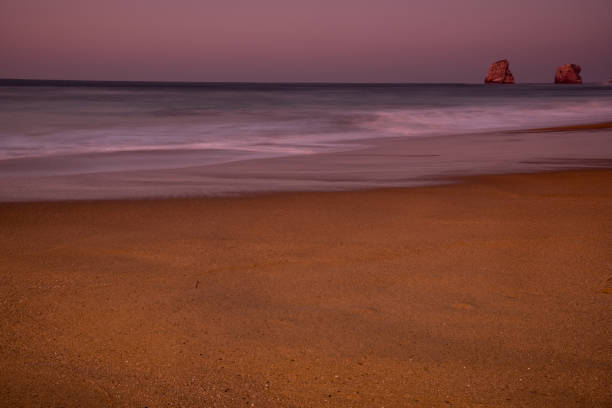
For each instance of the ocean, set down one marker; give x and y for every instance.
(105, 140)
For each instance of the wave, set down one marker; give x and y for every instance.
(284, 122)
(459, 120)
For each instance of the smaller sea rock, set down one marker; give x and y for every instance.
(499, 73)
(568, 74)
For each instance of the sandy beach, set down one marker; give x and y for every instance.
(277, 204)
(493, 292)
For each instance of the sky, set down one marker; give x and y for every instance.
(302, 40)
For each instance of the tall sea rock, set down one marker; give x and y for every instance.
(499, 73)
(568, 74)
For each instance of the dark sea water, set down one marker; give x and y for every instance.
(72, 140)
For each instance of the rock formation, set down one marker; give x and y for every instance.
(568, 74)
(499, 73)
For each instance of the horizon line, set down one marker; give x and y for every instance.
(76, 82)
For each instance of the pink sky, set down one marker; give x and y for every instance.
(315, 40)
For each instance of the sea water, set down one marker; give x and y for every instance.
(53, 133)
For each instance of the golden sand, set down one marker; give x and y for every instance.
(489, 293)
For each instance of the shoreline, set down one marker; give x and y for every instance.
(449, 181)
(490, 292)
(371, 163)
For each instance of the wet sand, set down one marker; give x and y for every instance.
(491, 292)
(571, 128)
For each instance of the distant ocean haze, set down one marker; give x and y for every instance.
(98, 128)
